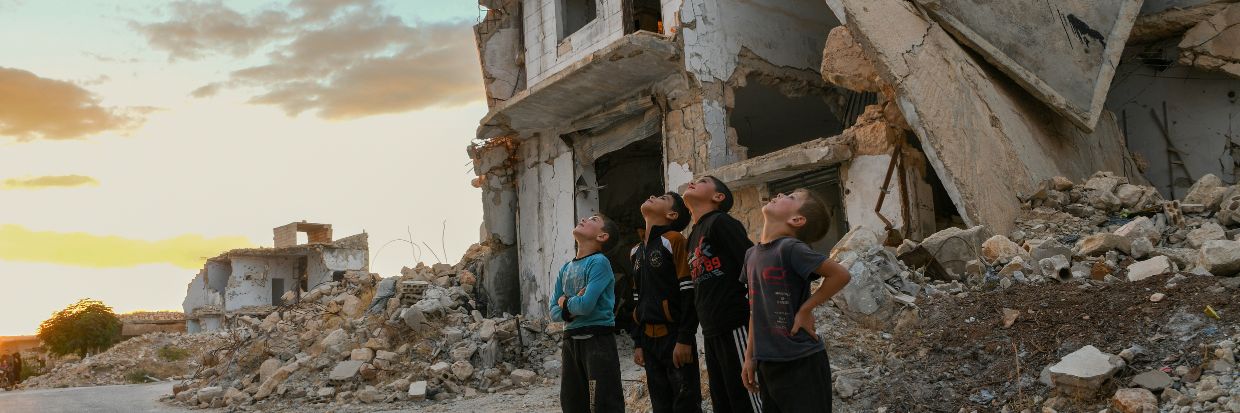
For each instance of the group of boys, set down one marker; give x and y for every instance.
(716, 278)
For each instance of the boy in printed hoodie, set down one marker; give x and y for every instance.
(584, 297)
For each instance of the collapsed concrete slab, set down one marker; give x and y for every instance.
(1085, 38)
(1214, 44)
(986, 139)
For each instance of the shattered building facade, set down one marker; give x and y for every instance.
(254, 281)
(908, 117)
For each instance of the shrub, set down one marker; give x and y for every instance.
(87, 326)
(171, 353)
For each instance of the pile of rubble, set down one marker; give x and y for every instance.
(150, 357)
(368, 339)
(1105, 295)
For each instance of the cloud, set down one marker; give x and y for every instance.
(40, 108)
(42, 182)
(98, 251)
(340, 59)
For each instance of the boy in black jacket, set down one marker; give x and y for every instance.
(717, 245)
(665, 332)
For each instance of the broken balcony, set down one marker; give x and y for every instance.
(619, 69)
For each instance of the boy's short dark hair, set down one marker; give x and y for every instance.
(817, 219)
(720, 187)
(612, 230)
(682, 212)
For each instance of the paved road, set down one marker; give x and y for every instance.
(134, 398)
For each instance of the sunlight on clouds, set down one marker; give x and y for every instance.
(44, 182)
(98, 251)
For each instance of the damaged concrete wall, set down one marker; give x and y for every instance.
(546, 54)
(545, 213)
(501, 50)
(499, 284)
(718, 34)
(1199, 110)
(250, 284)
(986, 138)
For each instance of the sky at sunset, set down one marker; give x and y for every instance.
(139, 137)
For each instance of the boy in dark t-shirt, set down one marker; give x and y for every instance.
(717, 245)
(785, 357)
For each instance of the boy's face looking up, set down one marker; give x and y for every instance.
(659, 208)
(591, 229)
(786, 208)
(703, 189)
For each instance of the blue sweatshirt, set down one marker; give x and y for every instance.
(593, 307)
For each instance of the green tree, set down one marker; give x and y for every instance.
(87, 326)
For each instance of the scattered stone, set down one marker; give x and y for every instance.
(1154, 266)
(462, 370)
(1220, 257)
(1134, 401)
(345, 370)
(1099, 244)
(1156, 297)
(522, 376)
(363, 354)
(1009, 317)
(1208, 231)
(1208, 191)
(417, 391)
(1154, 380)
(368, 395)
(439, 369)
(1141, 247)
(1083, 372)
(1000, 250)
(207, 394)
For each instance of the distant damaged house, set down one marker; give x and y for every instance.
(253, 281)
(908, 117)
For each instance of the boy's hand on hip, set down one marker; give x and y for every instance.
(638, 358)
(581, 292)
(563, 301)
(749, 375)
(804, 321)
(682, 355)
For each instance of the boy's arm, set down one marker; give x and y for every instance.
(600, 275)
(834, 278)
(556, 293)
(730, 234)
(749, 367)
(687, 333)
(638, 328)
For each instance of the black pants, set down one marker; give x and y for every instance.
(801, 385)
(671, 389)
(591, 381)
(724, 359)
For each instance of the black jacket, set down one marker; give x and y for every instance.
(663, 290)
(717, 246)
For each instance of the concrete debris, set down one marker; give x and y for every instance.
(1208, 191)
(1214, 44)
(1134, 401)
(1001, 250)
(1220, 257)
(955, 247)
(329, 349)
(1208, 231)
(1084, 371)
(844, 63)
(1154, 266)
(1154, 380)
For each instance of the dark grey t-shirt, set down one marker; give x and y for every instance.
(779, 275)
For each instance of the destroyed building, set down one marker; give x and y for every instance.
(253, 281)
(908, 117)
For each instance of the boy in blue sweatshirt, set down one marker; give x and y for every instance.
(584, 297)
(785, 361)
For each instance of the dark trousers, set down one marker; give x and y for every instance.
(591, 380)
(724, 359)
(671, 389)
(798, 386)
